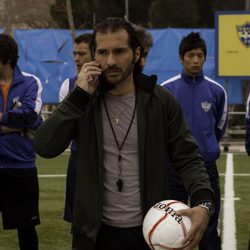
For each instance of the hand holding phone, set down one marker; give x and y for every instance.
(88, 77)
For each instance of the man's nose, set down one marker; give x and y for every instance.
(77, 57)
(111, 60)
(195, 59)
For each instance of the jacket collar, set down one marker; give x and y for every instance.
(194, 80)
(17, 76)
(142, 82)
(145, 83)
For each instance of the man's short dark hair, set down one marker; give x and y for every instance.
(192, 41)
(145, 38)
(113, 24)
(8, 50)
(83, 38)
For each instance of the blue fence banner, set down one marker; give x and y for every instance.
(48, 54)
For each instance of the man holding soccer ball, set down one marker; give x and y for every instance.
(126, 128)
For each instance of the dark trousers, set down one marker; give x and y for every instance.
(211, 239)
(70, 188)
(28, 239)
(113, 238)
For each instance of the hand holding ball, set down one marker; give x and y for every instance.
(163, 228)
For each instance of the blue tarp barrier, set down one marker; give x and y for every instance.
(47, 53)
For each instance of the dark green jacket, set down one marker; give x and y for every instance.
(162, 135)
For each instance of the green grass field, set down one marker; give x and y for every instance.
(54, 232)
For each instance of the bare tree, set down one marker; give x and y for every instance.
(82, 13)
(26, 14)
(8, 16)
(71, 19)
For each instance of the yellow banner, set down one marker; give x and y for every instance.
(233, 44)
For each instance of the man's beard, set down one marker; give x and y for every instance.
(123, 75)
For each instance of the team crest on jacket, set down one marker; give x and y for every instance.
(244, 33)
(206, 106)
(16, 104)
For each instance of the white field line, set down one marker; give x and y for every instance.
(64, 175)
(243, 175)
(229, 229)
(51, 175)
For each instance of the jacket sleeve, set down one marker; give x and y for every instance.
(184, 154)
(64, 90)
(54, 135)
(247, 138)
(221, 119)
(25, 112)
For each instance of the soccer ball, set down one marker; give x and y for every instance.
(162, 228)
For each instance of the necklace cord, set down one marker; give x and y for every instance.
(119, 182)
(112, 128)
(117, 116)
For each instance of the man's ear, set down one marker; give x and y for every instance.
(181, 59)
(137, 54)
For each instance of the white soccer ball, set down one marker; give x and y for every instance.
(162, 228)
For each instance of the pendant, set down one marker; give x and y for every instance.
(117, 119)
(119, 184)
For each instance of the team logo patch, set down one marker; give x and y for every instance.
(206, 106)
(16, 104)
(244, 33)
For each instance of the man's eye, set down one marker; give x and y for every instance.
(120, 51)
(101, 52)
(80, 53)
